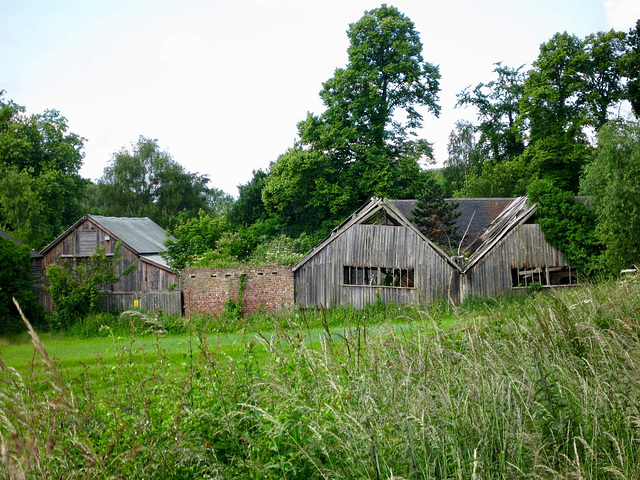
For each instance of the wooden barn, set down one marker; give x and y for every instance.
(378, 253)
(142, 243)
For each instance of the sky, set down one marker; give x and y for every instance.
(221, 85)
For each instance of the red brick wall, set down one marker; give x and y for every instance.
(268, 287)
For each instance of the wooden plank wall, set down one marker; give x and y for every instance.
(524, 247)
(169, 301)
(319, 282)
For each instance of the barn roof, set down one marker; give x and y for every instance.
(476, 214)
(483, 222)
(140, 234)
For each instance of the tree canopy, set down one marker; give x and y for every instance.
(611, 180)
(365, 143)
(145, 181)
(40, 187)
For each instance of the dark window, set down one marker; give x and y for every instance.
(379, 277)
(543, 276)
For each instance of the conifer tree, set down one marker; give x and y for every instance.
(435, 217)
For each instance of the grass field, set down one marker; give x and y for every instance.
(537, 386)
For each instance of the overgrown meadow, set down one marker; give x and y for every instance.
(541, 386)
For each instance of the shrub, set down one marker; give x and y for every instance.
(16, 281)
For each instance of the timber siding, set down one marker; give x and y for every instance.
(320, 280)
(523, 247)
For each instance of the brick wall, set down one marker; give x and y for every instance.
(268, 287)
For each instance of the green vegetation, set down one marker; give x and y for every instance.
(540, 386)
(77, 287)
(16, 282)
(40, 186)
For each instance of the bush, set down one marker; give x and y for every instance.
(77, 287)
(16, 281)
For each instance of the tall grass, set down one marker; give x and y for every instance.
(534, 387)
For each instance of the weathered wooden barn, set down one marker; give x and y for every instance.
(142, 243)
(378, 253)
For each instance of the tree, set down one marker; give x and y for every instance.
(572, 86)
(498, 105)
(370, 122)
(147, 182)
(193, 238)
(16, 282)
(568, 225)
(603, 75)
(611, 179)
(248, 208)
(465, 156)
(435, 217)
(632, 68)
(303, 193)
(40, 186)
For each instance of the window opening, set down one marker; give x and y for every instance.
(381, 217)
(379, 277)
(547, 277)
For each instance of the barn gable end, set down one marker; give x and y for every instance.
(142, 242)
(375, 255)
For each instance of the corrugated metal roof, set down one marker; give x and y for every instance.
(141, 234)
(155, 259)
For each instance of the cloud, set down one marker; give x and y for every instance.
(622, 14)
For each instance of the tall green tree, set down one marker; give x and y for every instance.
(40, 187)
(368, 130)
(465, 157)
(146, 182)
(603, 75)
(611, 180)
(498, 106)
(572, 86)
(632, 68)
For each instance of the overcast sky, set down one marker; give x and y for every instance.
(222, 84)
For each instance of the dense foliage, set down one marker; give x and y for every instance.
(147, 182)
(365, 142)
(536, 124)
(16, 282)
(611, 179)
(40, 188)
(568, 224)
